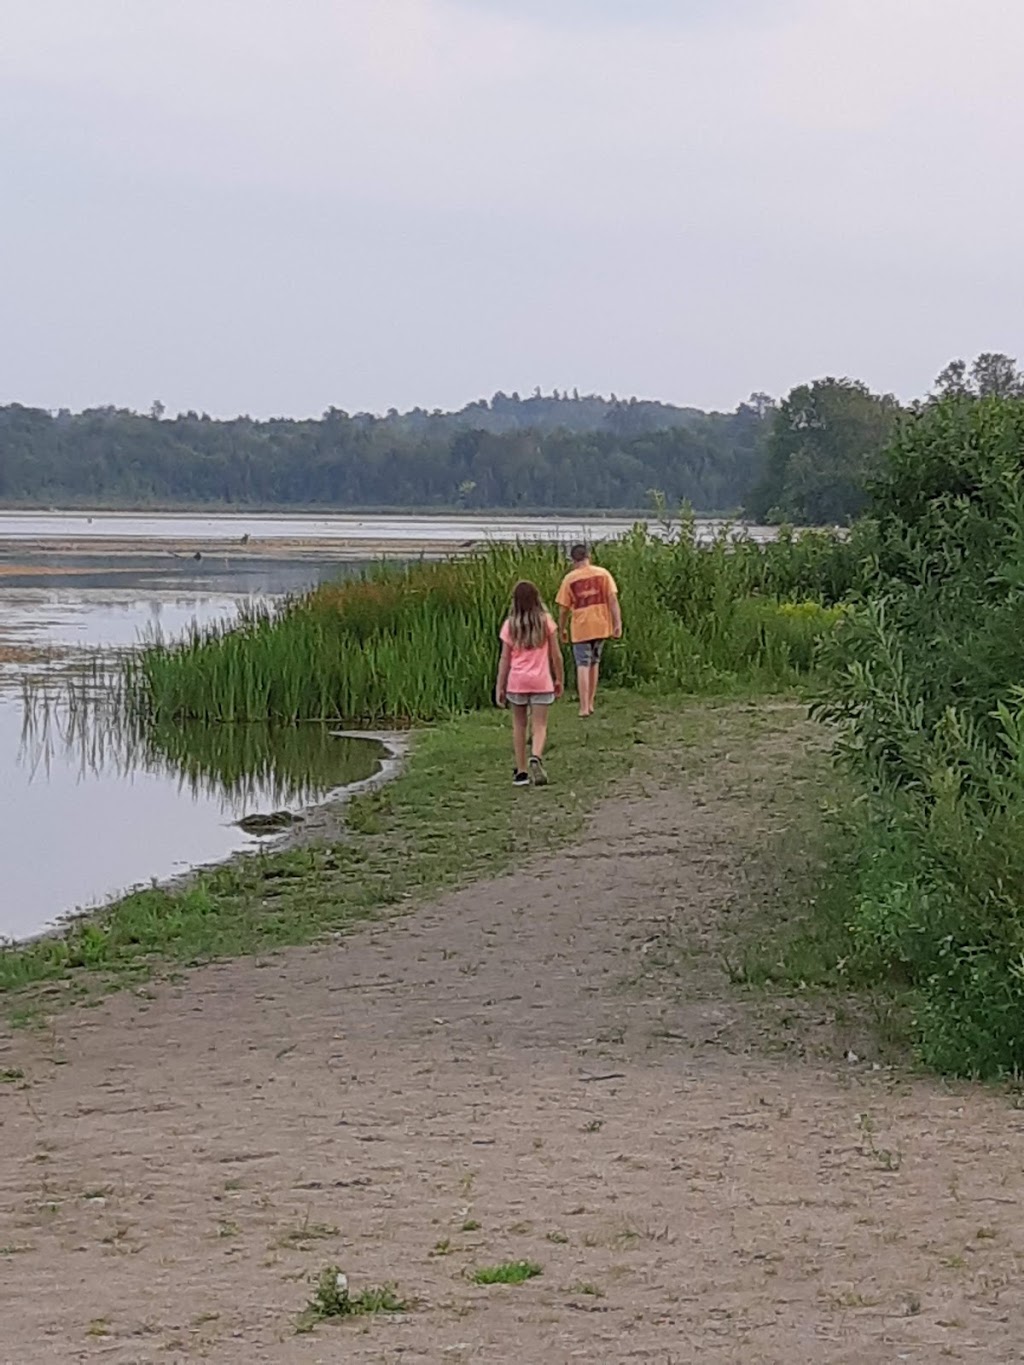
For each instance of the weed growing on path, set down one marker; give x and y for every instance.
(306, 1232)
(884, 1157)
(331, 1299)
(507, 1272)
(585, 1287)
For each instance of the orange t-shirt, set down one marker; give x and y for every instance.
(587, 592)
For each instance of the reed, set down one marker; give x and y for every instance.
(417, 642)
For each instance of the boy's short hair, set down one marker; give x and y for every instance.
(578, 553)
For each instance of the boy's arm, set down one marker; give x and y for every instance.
(563, 602)
(501, 684)
(615, 608)
(557, 664)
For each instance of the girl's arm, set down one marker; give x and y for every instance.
(557, 664)
(504, 664)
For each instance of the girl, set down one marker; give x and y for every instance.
(530, 677)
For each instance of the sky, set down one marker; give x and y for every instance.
(277, 206)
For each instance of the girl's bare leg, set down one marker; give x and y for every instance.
(519, 718)
(539, 716)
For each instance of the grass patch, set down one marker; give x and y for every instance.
(796, 938)
(508, 1272)
(807, 868)
(331, 1299)
(452, 816)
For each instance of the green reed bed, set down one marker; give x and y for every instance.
(418, 642)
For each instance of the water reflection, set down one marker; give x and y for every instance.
(90, 805)
(241, 767)
(90, 808)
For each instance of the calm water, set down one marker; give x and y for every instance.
(87, 812)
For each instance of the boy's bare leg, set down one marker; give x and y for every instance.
(587, 685)
(520, 715)
(594, 671)
(583, 687)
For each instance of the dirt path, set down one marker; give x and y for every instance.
(499, 1076)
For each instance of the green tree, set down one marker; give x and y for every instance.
(992, 375)
(825, 442)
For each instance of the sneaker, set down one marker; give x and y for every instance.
(537, 772)
(520, 779)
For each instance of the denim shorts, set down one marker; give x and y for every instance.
(530, 698)
(587, 652)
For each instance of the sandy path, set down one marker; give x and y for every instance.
(175, 1169)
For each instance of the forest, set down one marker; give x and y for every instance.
(805, 459)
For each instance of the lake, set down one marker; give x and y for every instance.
(85, 812)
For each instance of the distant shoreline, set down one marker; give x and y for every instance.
(215, 509)
(339, 537)
(332, 549)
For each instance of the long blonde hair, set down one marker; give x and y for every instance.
(527, 621)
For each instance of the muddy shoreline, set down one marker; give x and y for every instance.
(15, 552)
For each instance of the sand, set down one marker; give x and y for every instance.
(553, 1066)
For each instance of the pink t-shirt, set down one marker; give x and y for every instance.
(531, 668)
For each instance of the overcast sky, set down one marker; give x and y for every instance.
(273, 206)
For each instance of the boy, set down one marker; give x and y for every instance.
(588, 593)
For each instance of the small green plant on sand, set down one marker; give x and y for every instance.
(508, 1272)
(306, 1231)
(331, 1299)
(584, 1287)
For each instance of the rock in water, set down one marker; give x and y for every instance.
(269, 824)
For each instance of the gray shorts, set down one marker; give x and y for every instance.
(587, 653)
(531, 698)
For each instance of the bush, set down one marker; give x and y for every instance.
(923, 679)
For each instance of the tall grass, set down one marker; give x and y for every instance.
(417, 642)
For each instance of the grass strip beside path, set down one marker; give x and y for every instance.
(452, 816)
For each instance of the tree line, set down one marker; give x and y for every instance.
(548, 451)
(806, 459)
